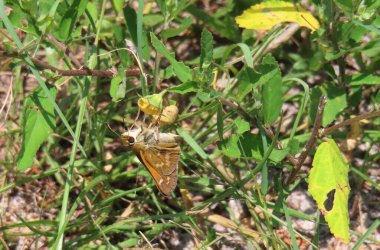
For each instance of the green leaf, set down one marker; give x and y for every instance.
(272, 92)
(247, 54)
(207, 96)
(355, 97)
(206, 49)
(277, 155)
(230, 146)
(225, 26)
(151, 104)
(70, 17)
(203, 181)
(377, 97)
(245, 146)
(363, 79)
(203, 96)
(117, 89)
(336, 102)
(328, 184)
(92, 10)
(184, 88)
(92, 61)
(185, 23)
(153, 19)
(293, 146)
(242, 125)
(224, 10)
(118, 5)
(248, 79)
(167, 73)
(369, 27)
(39, 121)
(22, 17)
(182, 71)
(345, 5)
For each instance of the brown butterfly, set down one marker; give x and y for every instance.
(158, 152)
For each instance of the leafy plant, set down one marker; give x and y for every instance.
(296, 84)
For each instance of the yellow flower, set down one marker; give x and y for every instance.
(151, 104)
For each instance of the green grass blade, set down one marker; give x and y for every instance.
(370, 230)
(192, 143)
(365, 177)
(58, 244)
(305, 100)
(140, 44)
(290, 227)
(20, 182)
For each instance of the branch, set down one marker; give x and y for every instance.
(349, 122)
(283, 37)
(313, 138)
(66, 50)
(75, 72)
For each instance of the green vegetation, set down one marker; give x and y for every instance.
(255, 107)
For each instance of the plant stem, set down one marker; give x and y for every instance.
(313, 138)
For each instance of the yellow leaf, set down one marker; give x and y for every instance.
(265, 15)
(328, 184)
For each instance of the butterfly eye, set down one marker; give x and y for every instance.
(131, 140)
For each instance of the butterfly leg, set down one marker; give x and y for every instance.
(156, 134)
(156, 121)
(135, 121)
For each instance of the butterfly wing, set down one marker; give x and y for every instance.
(161, 161)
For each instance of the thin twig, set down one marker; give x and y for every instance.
(290, 157)
(313, 138)
(75, 72)
(156, 79)
(349, 122)
(236, 107)
(6, 102)
(283, 37)
(340, 61)
(4, 243)
(146, 240)
(66, 50)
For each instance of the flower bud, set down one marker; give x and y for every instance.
(169, 115)
(151, 104)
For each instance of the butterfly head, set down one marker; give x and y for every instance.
(129, 138)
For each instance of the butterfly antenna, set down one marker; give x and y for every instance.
(124, 125)
(108, 125)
